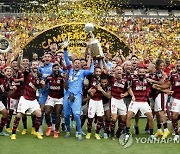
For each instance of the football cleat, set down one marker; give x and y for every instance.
(24, 132)
(13, 137)
(38, 135)
(56, 134)
(158, 133)
(105, 136)
(88, 136)
(9, 130)
(176, 138)
(33, 131)
(67, 135)
(3, 134)
(165, 135)
(79, 137)
(48, 131)
(97, 136)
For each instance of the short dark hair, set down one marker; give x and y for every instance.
(53, 42)
(54, 65)
(76, 59)
(158, 62)
(104, 76)
(134, 56)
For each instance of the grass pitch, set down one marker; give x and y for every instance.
(28, 144)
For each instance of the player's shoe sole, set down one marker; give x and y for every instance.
(48, 131)
(56, 134)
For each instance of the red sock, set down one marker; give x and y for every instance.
(15, 125)
(2, 123)
(89, 124)
(99, 124)
(37, 123)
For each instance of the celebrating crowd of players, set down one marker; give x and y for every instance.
(90, 89)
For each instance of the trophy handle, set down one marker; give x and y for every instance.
(91, 34)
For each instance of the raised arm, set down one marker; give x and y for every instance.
(66, 58)
(91, 71)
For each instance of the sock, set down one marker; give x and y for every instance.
(112, 126)
(127, 130)
(151, 131)
(48, 119)
(53, 117)
(165, 126)
(147, 126)
(2, 123)
(121, 126)
(175, 126)
(42, 117)
(33, 117)
(67, 122)
(159, 126)
(37, 123)
(9, 118)
(78, 123)
(24, 121)
(15, 125)
(89, 124)
(99, 124)
(83, 119)
(107, 125)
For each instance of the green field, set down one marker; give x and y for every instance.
(28, 144)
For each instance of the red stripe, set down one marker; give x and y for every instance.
(162, 101)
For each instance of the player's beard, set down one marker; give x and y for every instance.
(141, 77)
(56, 73)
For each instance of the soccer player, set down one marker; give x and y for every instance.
(174, 83)
(28, 101)
(5, 85)
(95, 103)
(140, 91)
(160, 99)
(13, 100)
(55, 83)
(73, 94)
(119, 86)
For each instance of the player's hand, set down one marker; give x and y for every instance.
(91, 91)
(123, 95)
(21, 53)
(99, 88)
(13, 87)
(169, 92)
(133, 98)
(149, 80)
(65, 43)
(42, 82)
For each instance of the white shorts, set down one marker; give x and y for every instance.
(142, 106)
(118, 106)
(13, 103)
(95, 107)
(25, 105)
(160, 102)
(2, 107)
(53, 101)
(175, 105)
(106, 107)
(84, 110)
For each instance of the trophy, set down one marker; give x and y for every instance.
(5, 45)
(94, 44)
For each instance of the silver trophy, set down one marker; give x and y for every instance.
(5, 45)
(94, 44)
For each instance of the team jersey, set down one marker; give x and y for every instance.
(19, 85)
(94, 82)
(55, 86)
(174, 77)
(157, 76)
(141, 89)
(106, 100)
(76, 78)
(118, 86)
(5, 84)
(31, 84)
